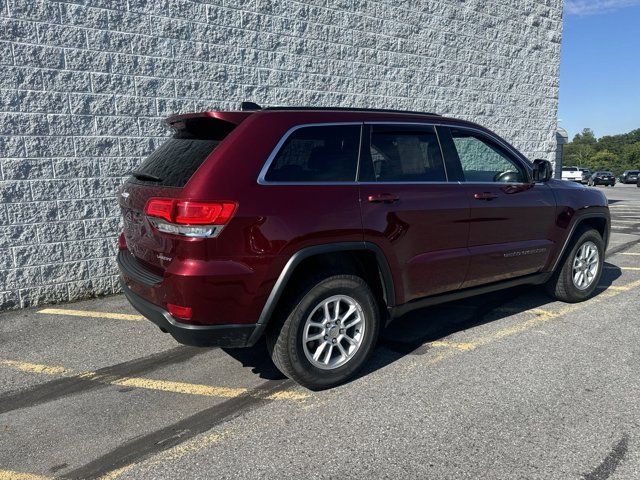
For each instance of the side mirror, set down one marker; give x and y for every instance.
(542, 170)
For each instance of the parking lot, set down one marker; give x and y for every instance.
(505, 385)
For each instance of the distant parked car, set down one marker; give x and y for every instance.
(586, 174)
(602, 178)
(571, 173)
(630, 176)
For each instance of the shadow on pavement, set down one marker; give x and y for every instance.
(408, 334)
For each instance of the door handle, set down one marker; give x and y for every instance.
(485, 196)
(383, 198)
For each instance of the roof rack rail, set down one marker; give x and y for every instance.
(255, 106)
(354, 109)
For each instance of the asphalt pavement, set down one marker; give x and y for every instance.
(501, 386)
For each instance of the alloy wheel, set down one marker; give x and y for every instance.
(585, 265)
(333, 332)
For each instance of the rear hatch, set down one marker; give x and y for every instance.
(163, 175)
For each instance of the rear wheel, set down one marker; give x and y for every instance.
(327, 333)
(579, 273)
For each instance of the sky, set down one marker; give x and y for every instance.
(600, 67)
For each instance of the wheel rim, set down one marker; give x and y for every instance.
(585, 265)
(333, 332)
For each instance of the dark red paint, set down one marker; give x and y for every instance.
(436, 237)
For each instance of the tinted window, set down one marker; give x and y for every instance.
(402, 153)
(176, 160)
(317, 154)
(482, 160)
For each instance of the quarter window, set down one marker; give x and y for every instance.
(317, 154)
(482, 160)
(406, 153)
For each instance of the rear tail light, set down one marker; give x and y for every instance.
(183, 313)
(191, 219)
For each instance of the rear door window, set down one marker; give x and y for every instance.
(317, 154)
(176, 160)
(404, 153)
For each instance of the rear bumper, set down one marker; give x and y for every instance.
(195, 335)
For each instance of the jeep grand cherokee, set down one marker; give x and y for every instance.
(315, 227)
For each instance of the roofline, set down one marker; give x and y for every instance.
(348, 109)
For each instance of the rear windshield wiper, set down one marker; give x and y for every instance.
(146, 176)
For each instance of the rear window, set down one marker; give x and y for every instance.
(317, 154)
(176, 160)
(569, 169)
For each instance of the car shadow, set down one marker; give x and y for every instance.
(411, 333)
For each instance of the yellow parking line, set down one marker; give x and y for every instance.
(615, 221)
(455, 345)
(149, 383)
(179, 387)
(87, 313)
(629, 253)
(174, 453)
(614, 267)
(541, 316)
(34, 368)
(11, 475)
(611, 287)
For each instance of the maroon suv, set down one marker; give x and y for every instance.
(315, 227)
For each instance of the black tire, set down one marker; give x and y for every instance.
(561, 285)
(284, 337)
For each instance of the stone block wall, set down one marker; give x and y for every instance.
(84, 86)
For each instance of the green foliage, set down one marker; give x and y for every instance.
(586, 137)
(611, 152)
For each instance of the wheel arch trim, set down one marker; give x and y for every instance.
(577, 222)
(304, 253)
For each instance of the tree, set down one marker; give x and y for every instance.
(586, 137)
(577, 154)
(611, 152)
(604, 160)
(631, 155)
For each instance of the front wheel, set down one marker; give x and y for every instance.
(329, 331)
(579, 273)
